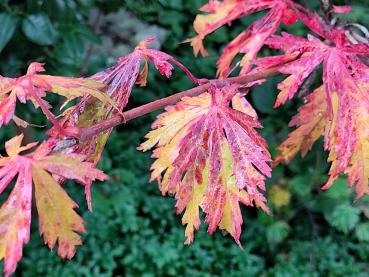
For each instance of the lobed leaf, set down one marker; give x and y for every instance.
(210, 157)
(222, 13)
(251, 40)
(58, 221)
(340, 114)
(33, 86)
(311, 120)
(15, 215)
(121, 77)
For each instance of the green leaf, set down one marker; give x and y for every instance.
(362, 232)
(344, 217)
(39, 29)
(340, 190)
(70, 51)
(8, 24)
(277, 232)
(301, 184)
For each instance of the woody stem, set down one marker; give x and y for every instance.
(84, 133)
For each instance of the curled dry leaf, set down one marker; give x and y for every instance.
(121, 77)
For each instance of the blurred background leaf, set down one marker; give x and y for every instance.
(39, 29)
(8, 24)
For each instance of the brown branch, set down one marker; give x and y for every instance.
(326, 7)
(84, 133)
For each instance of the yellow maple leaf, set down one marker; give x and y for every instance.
(58, 220)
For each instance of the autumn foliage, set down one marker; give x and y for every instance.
(212, 158)
(207, 152)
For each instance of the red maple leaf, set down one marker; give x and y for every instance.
(211, 157)
(33, 87)
(251, 40)
(121, 77)
(308, 54)
(345, 84)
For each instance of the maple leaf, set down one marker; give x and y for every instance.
(345, 83)
(33, 87)
(121, 77)
(222, 13)
(308, 54)
(251, 40)
(209, 155)
(311, 120)
(320, 26)
(58, 220)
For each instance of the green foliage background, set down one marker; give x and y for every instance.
(133, 230)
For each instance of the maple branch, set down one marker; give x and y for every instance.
(84, 133)
(326, 7)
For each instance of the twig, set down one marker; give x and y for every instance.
(327, 7)
(83, 134)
